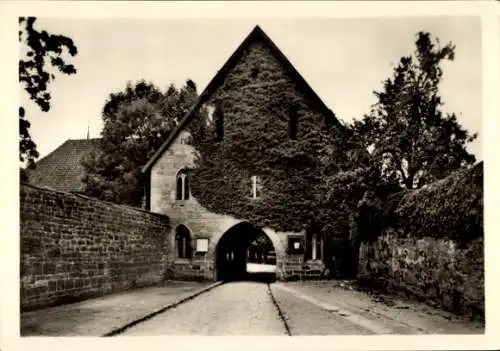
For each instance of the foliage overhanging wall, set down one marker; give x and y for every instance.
(433, 246)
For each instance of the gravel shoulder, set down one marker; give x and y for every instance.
(95, 317)
(391, 314)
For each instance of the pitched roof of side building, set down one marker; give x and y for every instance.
(61, 169)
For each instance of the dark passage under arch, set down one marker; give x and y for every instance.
(232, 254)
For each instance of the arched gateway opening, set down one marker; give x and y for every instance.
(245, 252)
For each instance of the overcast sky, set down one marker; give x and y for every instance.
(343, 60)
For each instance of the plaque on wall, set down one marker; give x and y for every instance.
(201, 245)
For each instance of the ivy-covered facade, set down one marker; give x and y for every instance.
(253, 149)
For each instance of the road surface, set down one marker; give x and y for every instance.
(247, 308)
(237, 308)
(256, 308)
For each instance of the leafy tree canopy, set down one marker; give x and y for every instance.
(42, 51)
(411, 138)
(136, 121)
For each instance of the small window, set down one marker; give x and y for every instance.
(295, 245)
(293, 121)
(255, 72)
(317, 247)
(219, 122)
(183, 242)
(210, 114)
(186, 139)
(182, 185)
(256, 187)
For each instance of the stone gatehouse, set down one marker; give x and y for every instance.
(205, 244)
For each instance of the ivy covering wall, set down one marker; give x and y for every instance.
(259, 104)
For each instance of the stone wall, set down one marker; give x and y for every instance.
(429, 243)
(433, 270)
(74, 247)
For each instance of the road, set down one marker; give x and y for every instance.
(247, 308)
(238, 308)
(296, 308)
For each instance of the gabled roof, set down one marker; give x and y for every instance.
(61, 169)
(256, 34)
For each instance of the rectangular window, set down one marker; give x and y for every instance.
(210, 114)
(295, 244)
(292, 128)
(219, 122)
(256, 187)
(317, 248)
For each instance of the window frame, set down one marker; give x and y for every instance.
(218, 120)
(183, 236)
(185, 191)
(255, 187)
(316, 247)
(293, 123)
(291, 239)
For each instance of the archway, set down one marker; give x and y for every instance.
(234, 248)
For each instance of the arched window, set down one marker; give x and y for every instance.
(183, 242)
(182, 185)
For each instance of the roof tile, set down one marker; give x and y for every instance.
(61, 169)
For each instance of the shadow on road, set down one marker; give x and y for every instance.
(263, 277)
(259, 277)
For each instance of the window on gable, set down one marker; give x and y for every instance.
(182, 185)
(210, 114)
(254, 72)
(219, 122)
(256, 187)
(183, 242)
(293, 121)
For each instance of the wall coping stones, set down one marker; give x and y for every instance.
(75, 194)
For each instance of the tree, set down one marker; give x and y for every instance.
(136, 121)
(42, 51)
(411, 138)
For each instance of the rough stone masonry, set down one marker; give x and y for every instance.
(74, 247)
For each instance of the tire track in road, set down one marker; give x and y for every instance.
(278, 308)
(336, 313)
(148, 316)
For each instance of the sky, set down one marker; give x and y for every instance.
(343, 59)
